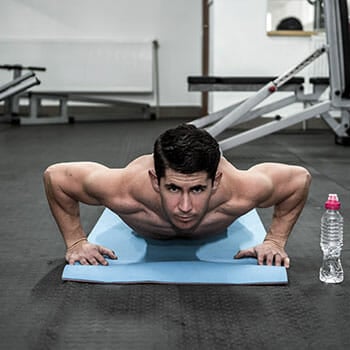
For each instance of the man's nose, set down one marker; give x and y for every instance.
(185, 204)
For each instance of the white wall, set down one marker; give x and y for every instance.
(239, 44)
(175, 24)
(242, 48)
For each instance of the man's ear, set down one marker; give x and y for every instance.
(154, 180)
(217, 180)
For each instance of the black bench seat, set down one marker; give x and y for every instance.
(238, 83)
(319, 81)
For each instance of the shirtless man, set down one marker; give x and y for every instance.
(185, 189)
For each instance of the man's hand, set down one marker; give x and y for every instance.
(269, 252)
(88, 254)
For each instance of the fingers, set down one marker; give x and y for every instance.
(89, 254)
(102, 252)
(286, 262)
(274, 258)
(265, 255)
(83, 261)
(107, 252)
(282, 260)
(278, 259)
(245, 253)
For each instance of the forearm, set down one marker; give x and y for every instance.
(280, 230)
(69, 224)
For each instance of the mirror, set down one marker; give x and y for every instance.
(294, 17)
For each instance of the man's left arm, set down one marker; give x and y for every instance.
(286, 190)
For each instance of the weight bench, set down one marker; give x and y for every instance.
(294, 85)
(11, 91)
(209, 83)
(18, 85)
(36, 98)
(110, 70)
(338, 49)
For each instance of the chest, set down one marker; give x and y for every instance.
(152, 225)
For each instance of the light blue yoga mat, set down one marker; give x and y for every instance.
(181, 261)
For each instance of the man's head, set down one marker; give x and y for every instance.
(187, 150)
(186, 161)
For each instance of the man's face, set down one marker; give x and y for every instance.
(185, 198)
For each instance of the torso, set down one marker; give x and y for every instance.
(144, 214)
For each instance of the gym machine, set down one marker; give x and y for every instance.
(338, 51)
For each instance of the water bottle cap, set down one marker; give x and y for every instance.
(332, 202)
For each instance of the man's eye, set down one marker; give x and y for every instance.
(197, 189)
(173, 188)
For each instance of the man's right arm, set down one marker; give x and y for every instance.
(66, 185)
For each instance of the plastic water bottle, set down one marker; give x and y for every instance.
(331, 270)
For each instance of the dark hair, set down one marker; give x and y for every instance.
(186, 149)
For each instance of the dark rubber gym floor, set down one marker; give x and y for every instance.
(39, 311)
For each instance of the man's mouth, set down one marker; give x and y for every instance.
(185, 218)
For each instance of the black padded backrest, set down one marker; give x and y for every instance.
(344, 22)
(239, 80)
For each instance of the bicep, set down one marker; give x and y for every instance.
(280, 182)
(72, 181)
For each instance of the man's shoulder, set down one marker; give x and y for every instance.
(144, 161)
(130, 177)
(133, 181)
(240, 189)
